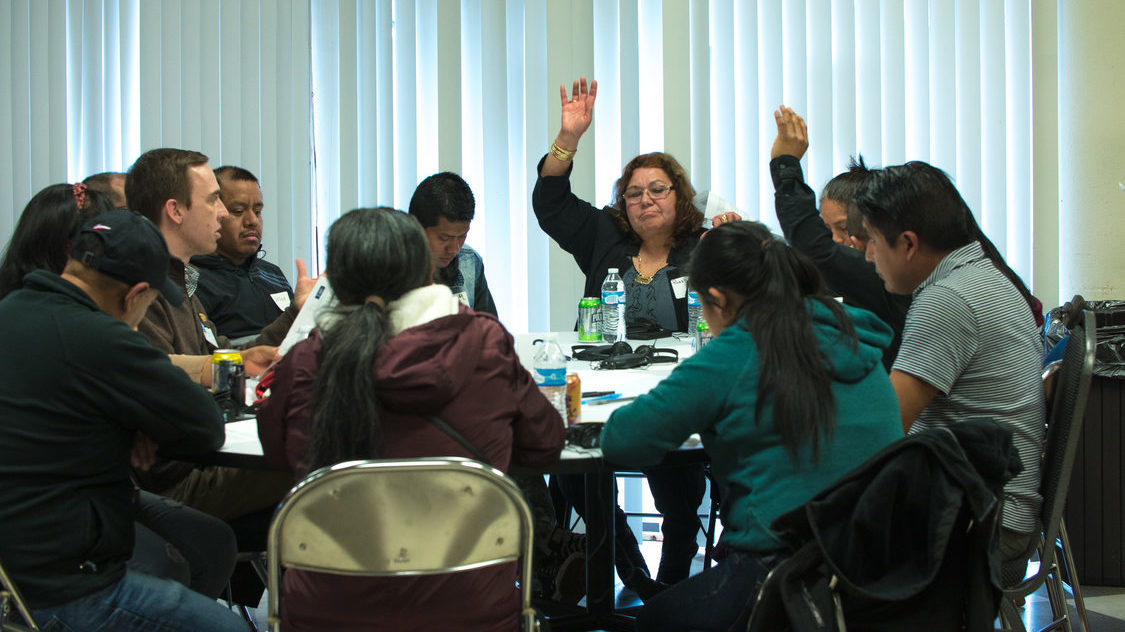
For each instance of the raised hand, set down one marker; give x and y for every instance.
(304, 286)
(577, 112)
(792, 134)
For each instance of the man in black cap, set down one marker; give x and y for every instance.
(81, 395)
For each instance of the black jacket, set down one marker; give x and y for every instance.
(595, 240)
(75, 386)
(910, 535)
(845, 270)
(239, 298)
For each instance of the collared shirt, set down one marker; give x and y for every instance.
(970, 335)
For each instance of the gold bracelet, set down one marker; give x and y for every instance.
(560, 153)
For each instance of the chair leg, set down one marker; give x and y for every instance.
(712, 520)
(1010, 619)
(1072, 576)
(1057, 596)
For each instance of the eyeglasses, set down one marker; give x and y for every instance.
(656, 190)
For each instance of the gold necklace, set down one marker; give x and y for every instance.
(645, 279)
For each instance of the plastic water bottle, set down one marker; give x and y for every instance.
(694, 311)
(550, 372)
(613, 307)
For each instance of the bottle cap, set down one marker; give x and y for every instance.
(612, 270)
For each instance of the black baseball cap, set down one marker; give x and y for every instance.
(134, 251)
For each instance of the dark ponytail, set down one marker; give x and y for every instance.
(775, 282)
(374, 256)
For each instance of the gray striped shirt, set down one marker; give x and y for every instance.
(970, 334)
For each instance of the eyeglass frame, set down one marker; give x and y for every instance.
(625, 195)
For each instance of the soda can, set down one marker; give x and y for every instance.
(227, 374)
(573, 399)
(589, 325)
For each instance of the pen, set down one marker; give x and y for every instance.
(597, 393)
(609, 396)
(612, 400)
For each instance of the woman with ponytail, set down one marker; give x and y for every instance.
(395, 352)
(790, 395)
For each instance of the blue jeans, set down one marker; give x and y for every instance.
(712, 601)
(140, 602)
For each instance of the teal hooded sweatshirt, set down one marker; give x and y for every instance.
(714, 393)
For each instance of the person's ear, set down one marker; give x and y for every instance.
(909, 239)
(173, 210)
(718, 298)
(138, 292)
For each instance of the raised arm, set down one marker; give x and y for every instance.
(577, 113)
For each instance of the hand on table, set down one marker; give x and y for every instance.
(792, 134)
(256, 360)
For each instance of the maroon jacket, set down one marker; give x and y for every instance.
(463, 369)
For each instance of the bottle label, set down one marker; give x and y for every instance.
(550, 377)
(692, 299)
(613, 298)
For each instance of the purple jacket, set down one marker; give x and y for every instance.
(462, 368)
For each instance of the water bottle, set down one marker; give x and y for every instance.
(702, 336)
(550, 372)
(613, 307)
(694, 311)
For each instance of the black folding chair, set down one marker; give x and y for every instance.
(1064, 427)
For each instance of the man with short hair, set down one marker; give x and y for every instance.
(825, 239)
(78, 389)
(445, 206)
(970, 347)
(111, 184)
(242, 292)
(177, 191)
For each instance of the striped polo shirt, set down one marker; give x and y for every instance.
(970, 334)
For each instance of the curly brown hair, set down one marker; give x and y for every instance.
(688, 218)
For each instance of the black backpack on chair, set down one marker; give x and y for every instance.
(906, 541)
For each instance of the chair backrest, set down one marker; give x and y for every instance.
(401, 517)
(1064, 424)
(10, 596)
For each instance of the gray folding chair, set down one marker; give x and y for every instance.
(384, 518)
(10, 597)
(1064, 427)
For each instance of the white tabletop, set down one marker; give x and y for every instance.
(242, 436)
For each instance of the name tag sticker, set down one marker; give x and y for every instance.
(210, 336)
(282, 299)
(464, 298)
(679, 287)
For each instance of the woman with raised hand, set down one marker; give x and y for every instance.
(647, 233)
(396, 351)
(788, 396)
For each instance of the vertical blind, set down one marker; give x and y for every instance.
(343, 103)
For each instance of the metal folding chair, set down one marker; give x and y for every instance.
(385, 518)
(1064, 427)
(10, 597)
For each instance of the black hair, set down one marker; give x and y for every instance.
(230, 172)
(921, 198)
(444, 194)
(379, 253)
(843, 186)
(775, 282)
(44, 233)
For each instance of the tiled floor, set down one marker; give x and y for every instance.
(1106, 605)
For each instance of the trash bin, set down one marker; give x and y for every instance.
(1094, 515)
